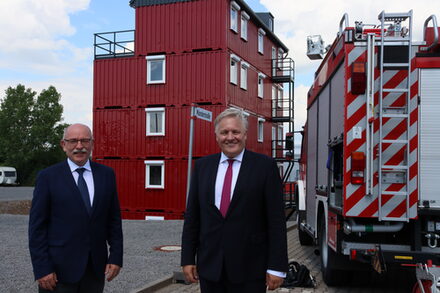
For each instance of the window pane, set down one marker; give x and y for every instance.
(156, 70)
(233, 19)
(155, 175)
(156, 122)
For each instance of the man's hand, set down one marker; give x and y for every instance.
(48, 282)
(111, 271)
(273, 282)
(190, 272)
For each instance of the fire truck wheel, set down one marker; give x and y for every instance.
(304, 238)
(329, 260)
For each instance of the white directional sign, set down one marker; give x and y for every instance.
(203, 114)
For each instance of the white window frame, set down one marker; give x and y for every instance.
(244, 25)
(244, 75)
(261, 34)
(148, 111)
(280, 134)
(155, 58)
(274, 61)
(234, 69)
(260, 86)
(274, 100)
(148, 164)
(260, 129)
(234, 19)
(274, 144)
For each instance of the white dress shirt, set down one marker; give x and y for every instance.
(88, 177)
(221, 172)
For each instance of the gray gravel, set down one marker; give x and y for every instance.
(142, 263)
(9, 193)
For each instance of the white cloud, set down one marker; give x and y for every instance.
(32, 33)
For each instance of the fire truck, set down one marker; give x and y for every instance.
(370, 158)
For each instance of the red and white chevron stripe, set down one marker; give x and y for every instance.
(356, 202)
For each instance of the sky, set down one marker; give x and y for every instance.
(50, 42)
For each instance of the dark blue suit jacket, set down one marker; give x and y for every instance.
(62, 234)
(252, 237)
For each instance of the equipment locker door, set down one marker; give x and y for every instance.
(429, 137)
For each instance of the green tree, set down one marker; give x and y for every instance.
(30, 130)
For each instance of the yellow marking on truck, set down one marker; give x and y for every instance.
(403, 257)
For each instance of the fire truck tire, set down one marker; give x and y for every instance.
(329, 260)
(304, 238)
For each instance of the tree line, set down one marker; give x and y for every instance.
(30, 130)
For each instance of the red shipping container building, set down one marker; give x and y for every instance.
(214, 54)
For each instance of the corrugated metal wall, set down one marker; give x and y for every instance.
(122, 133)
(192, 77)
(181, 27)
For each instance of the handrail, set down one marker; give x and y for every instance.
(114, 44)
(344, 18)
(434, 24)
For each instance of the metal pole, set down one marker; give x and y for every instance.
(190, 149)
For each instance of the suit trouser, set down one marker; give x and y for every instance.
(225, 286)
(89, 283)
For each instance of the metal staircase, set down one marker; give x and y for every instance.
(394, 38)
(282, 113)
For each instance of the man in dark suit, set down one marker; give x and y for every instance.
(234, 222)
(74, 217)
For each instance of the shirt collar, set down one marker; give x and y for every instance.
(74, 166)
(239, 157)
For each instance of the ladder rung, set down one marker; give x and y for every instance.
(395, 115)
(395, 192)
(394, 141)
(396, 90)
(395, 64)
(395, 167)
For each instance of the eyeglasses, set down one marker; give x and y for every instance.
(84, 141)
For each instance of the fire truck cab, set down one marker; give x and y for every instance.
(370, 155)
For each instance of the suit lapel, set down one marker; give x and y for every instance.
(97, 181)
(242, 179)
(211, 177)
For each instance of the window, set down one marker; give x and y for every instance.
(280, 135)
(154, 174)
(261, 34)
(280, 97)
(261, 84)
(243, 75)
(155, 121)
(244, 25)
(155, 69)
(274, 100)
(234, 68)
(260, 129)
(274, 61)
(234, 16)
(274, 146)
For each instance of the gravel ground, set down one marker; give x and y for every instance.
(142, 262)
(10, 193)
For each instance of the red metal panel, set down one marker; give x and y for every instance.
(133, 196)
(180, 27)
(190, 77)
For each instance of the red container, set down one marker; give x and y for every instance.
(190, 77)
(181, 27)
(121, 133)
(133, 215)
(135, 197)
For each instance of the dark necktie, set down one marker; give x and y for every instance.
(82, 186)
(226, 192)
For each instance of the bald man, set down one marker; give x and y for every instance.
(75, 231)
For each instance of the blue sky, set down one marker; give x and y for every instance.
(50, 42)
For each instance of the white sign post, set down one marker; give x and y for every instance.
(201, 114)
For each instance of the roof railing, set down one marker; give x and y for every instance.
(114, 44)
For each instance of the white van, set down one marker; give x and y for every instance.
(8, 176)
